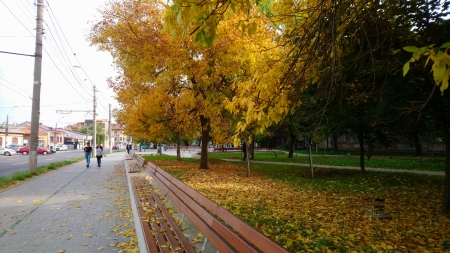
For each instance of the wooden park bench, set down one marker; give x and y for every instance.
(223, 230)
(223, 149)
(238, 149)
(130, 156)
(136, 167)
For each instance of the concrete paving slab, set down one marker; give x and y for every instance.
(74, 208)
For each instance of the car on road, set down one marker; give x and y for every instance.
(13, 146)
(61, 147)
(115, 148)
(41, 150)
(7, 151)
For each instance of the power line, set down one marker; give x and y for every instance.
(17, 18)
(15, 86)
(15, 91)
(30, 6)
(45, 52)
(62, 32)
(63, 74)
(67, 69)
(32, 23)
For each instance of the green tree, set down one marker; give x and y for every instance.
(89, 130)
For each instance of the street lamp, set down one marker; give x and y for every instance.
(7, 123)
(54, 138)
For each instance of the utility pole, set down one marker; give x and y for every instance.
(94, 135)
(35, 110)
(109, 130)
(6, 134)
(7, 129)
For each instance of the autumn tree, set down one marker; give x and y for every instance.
(194, 80)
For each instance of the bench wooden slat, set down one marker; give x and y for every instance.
(204, 221)
(157, 221)
(149, 241)
(238, 243)
(222, 230)
(215, 239)
(182, 243)
(222, 235)
(252, 235)
(200, 198)
(165, 174)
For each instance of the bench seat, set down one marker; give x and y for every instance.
(161, 232)
(225, 231)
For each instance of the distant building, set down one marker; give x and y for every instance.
(117, 136)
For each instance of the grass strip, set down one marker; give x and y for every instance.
(19, 176)
(408, 162)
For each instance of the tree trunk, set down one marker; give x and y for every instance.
(178, 148)
(369, 150)
(251, 150)
(291, 145)
(417, 144)
(310, 161)
(248, 159)
(335, 141)
(205, 139)
(446, 134)
(361, 150)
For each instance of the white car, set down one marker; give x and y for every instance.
(61, 147)
(7, 151)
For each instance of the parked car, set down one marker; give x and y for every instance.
(41, 150)
(61, 147)
(13, 146)
(7, 151)
(115, 148)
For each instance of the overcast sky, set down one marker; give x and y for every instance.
(67, 80)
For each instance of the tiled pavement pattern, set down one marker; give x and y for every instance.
(71, 209)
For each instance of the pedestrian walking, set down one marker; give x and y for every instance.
(244, 149)
(128, 148)
(88, 153)
(99, 154)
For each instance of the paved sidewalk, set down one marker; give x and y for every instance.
(71, 209)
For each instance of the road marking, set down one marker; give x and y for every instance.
(17, 163)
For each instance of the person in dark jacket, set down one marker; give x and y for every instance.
(88, 154)
(244, 149)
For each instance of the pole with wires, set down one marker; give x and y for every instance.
(35, 110)
(94, 134)
(109, 130)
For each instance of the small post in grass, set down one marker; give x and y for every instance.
(377, 211)
(310, 162)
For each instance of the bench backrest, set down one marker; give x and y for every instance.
(202, 211)
(141, 160)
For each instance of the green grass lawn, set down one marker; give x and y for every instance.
(405, 161)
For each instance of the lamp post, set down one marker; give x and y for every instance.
(7, 123)
(54, 138)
